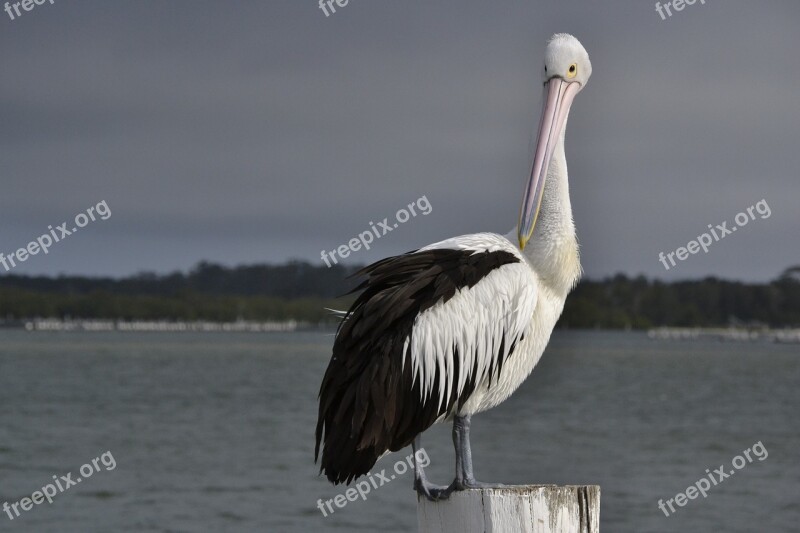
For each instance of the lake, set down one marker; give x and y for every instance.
(215, 432)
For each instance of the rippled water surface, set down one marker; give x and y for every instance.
(214, 432)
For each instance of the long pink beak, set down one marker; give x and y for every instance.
(559, 94)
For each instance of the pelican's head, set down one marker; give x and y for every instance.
(567, 59)
(565, 72)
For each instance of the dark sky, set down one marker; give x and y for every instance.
(261, 131)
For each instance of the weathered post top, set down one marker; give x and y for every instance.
(514, 509)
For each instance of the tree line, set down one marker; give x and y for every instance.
(302, 291)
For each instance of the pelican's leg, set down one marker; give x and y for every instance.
(421, 484)
(465, 479)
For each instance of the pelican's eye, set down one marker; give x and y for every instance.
(573, 70)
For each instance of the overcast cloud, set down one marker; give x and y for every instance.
(261, 131)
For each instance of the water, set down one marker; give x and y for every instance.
(214, 432)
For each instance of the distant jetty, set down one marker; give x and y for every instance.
(733, 334)
(240, 326)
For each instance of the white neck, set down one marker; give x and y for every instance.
(553, 248)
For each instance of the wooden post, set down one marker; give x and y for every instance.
(514, 509)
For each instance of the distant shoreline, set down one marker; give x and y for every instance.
(725, 334)
(99, 325)
(730, 334)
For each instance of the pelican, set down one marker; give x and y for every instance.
(454, 328)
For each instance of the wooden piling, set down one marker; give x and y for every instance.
(514, 509)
